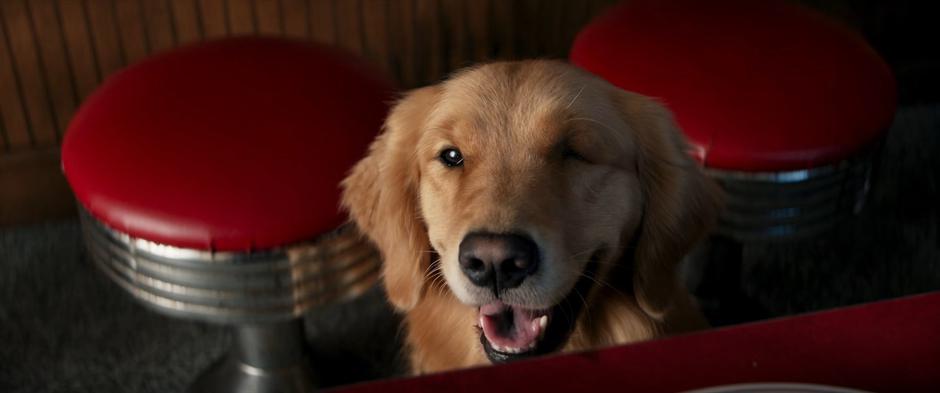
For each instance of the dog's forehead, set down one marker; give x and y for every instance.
(517, 97)
(522, 86)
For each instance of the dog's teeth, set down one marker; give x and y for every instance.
(510, 349)
(543, 322)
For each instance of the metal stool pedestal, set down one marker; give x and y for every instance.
(261, 294)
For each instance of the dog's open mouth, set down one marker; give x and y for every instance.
(511, 332)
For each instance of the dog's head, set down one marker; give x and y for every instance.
(524, 185)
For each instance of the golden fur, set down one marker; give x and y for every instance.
(513, 121)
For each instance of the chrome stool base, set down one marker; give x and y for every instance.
(262, 294)
(268, 357)
(771, 208)
(792, 205)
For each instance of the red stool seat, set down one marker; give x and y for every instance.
(233, 145)
(758, 86)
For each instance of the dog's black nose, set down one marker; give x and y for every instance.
(500, 261)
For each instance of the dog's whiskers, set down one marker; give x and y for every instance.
(578, 255)
(440, 285)
(436, 279)
(604, 283)
(587, 308)
(581, 90)
(433, 265)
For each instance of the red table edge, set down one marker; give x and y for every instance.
(787, 349)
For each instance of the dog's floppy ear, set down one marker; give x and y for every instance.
(381, 195)
(681, 203)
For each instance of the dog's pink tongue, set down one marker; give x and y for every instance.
(511, 329)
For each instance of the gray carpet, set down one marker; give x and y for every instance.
(65, 328)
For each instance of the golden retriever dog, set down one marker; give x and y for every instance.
(525, 208)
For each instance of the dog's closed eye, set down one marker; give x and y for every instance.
(570, 153)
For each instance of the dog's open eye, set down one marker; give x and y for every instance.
(451, 157)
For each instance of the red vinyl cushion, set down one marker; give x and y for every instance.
(232, 145)
(756, 85)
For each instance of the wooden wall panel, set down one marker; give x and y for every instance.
(31, 86)
(455, 46)
(187, 21)
(242, 18)
(347, 21)
(480, 32)
(322, 20)
(104, 36)
(526, 37)
(429, 41)
(268, 13)
(295, 13)
(160, 24)
(214, 17)
(4, 139)
(573, 20)
(32, 188)
(132, 31)
(78, 41)
(16, 125)
(376, 35)
(401, 41)
(59, 80)
(504, 28)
